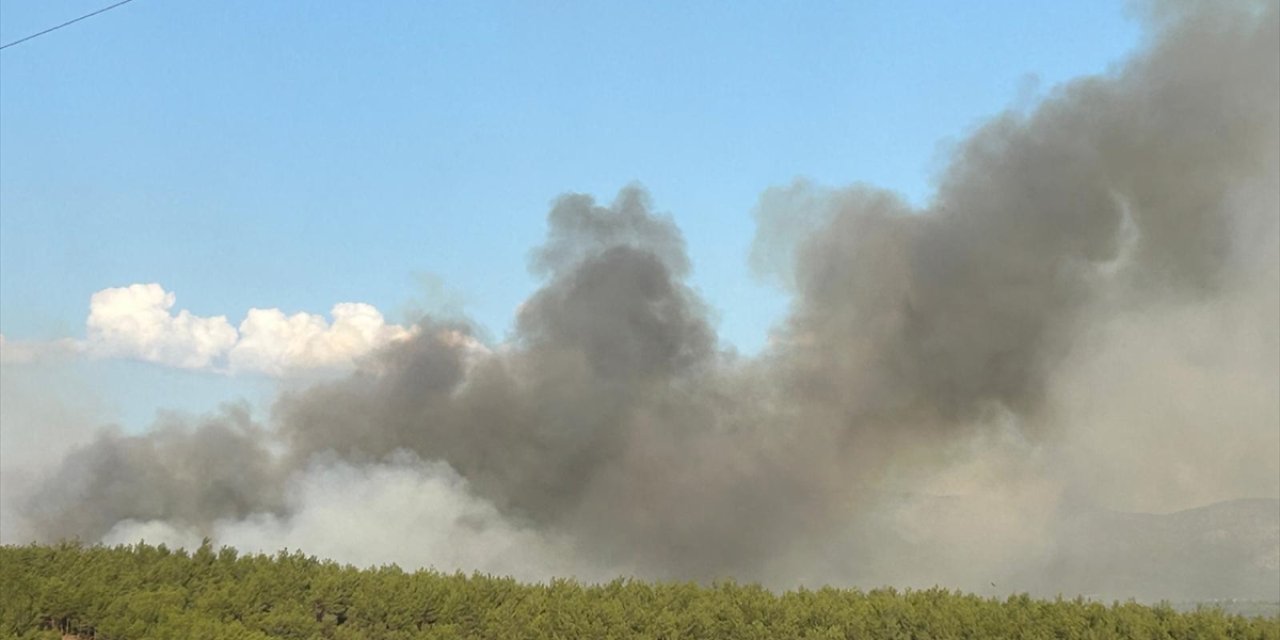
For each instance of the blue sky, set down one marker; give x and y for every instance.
(295, 155)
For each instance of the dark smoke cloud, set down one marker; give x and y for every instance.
(193, 474)
(941, 351)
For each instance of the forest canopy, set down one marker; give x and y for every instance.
(143, 591)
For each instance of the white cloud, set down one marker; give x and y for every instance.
(136, 322)
(275, 343)
(139, 322)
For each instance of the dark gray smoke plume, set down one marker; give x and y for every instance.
(194, 474)
(1084, 317)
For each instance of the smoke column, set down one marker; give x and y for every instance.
(1084, 317)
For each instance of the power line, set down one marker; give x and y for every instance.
(65, 24)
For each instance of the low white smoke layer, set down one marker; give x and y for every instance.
(31, 351)
(1083, 322)
(1174, 406)
(45, 411)
(403, 511)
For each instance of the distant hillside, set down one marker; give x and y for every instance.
(1229, 550)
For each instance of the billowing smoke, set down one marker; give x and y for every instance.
(1085, 317)
(190, 473)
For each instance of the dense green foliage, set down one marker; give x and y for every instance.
(152, 592)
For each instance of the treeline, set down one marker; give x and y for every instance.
(142, 591)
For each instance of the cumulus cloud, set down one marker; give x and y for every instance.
(275, 343)
(136, 321)
(139, 322)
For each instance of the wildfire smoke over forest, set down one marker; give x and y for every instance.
(1086, 317)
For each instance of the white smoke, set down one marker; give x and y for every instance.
(403, 511)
